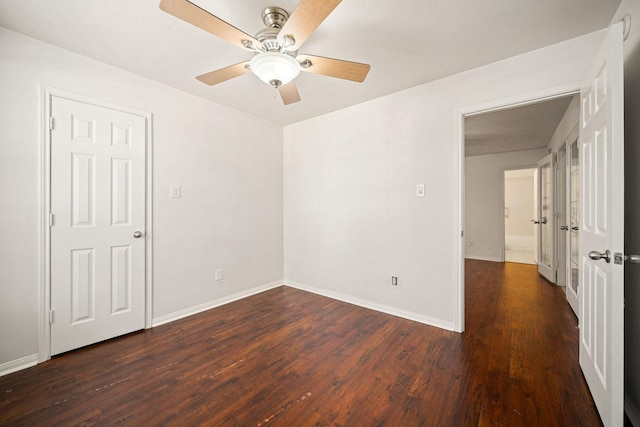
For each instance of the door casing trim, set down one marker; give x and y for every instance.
(44, 297)
(459, 169)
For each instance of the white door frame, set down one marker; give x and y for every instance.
(46, 95)
(458, 158)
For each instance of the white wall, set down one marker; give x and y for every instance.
(352, 219)
(518, 197)
(632, 207)
(568, 126)
(228, 163)
(484, 200)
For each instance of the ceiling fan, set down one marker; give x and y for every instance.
(276, 60)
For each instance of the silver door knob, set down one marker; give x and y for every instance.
(137, 234)
(619, 258)
(595, 255)
(633, 259)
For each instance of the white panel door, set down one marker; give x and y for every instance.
(601, 294)
(546, 220)
(98, 203)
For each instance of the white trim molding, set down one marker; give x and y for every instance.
(18, 364)
(431, 321)
(161, 320)
(484, 258)
(459, 169)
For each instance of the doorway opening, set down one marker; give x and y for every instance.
(493, 138)
(520, 237)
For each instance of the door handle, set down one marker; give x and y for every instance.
(535, 222)
(575, 228)
(137, 234)
(544, 220)
(564, 227)
(595, 255)
(619, 258)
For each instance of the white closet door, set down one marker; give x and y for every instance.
(98, 206)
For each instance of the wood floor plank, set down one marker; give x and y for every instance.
(290, 358)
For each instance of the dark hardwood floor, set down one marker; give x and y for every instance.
(291, 358)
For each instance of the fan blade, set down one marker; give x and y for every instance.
(224, 74)
(305, 19)
(289, 93)
(199, 17)
(347, 70)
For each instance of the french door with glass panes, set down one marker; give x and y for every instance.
(546, 220)
(573, 224)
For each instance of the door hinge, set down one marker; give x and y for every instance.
(51, 123)
(50, 220)
(462, 233)
(50, 316)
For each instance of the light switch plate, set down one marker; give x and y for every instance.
(175, 191)
(419, 190)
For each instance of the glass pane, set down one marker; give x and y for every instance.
(545, 215)
(574, 195)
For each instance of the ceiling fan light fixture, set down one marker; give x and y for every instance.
(275, 68)
(275, 47)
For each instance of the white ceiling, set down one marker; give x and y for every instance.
(407, 42)
(514, 129)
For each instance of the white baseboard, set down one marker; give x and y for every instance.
(483, 258)
(439, 323)
(519, 243)
(632, 411)
(18, 364)
(161, 320)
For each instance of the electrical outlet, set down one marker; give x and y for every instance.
(218, 274)
(394, 280)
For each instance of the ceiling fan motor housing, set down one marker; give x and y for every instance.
(274, 17)
(267, 36)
